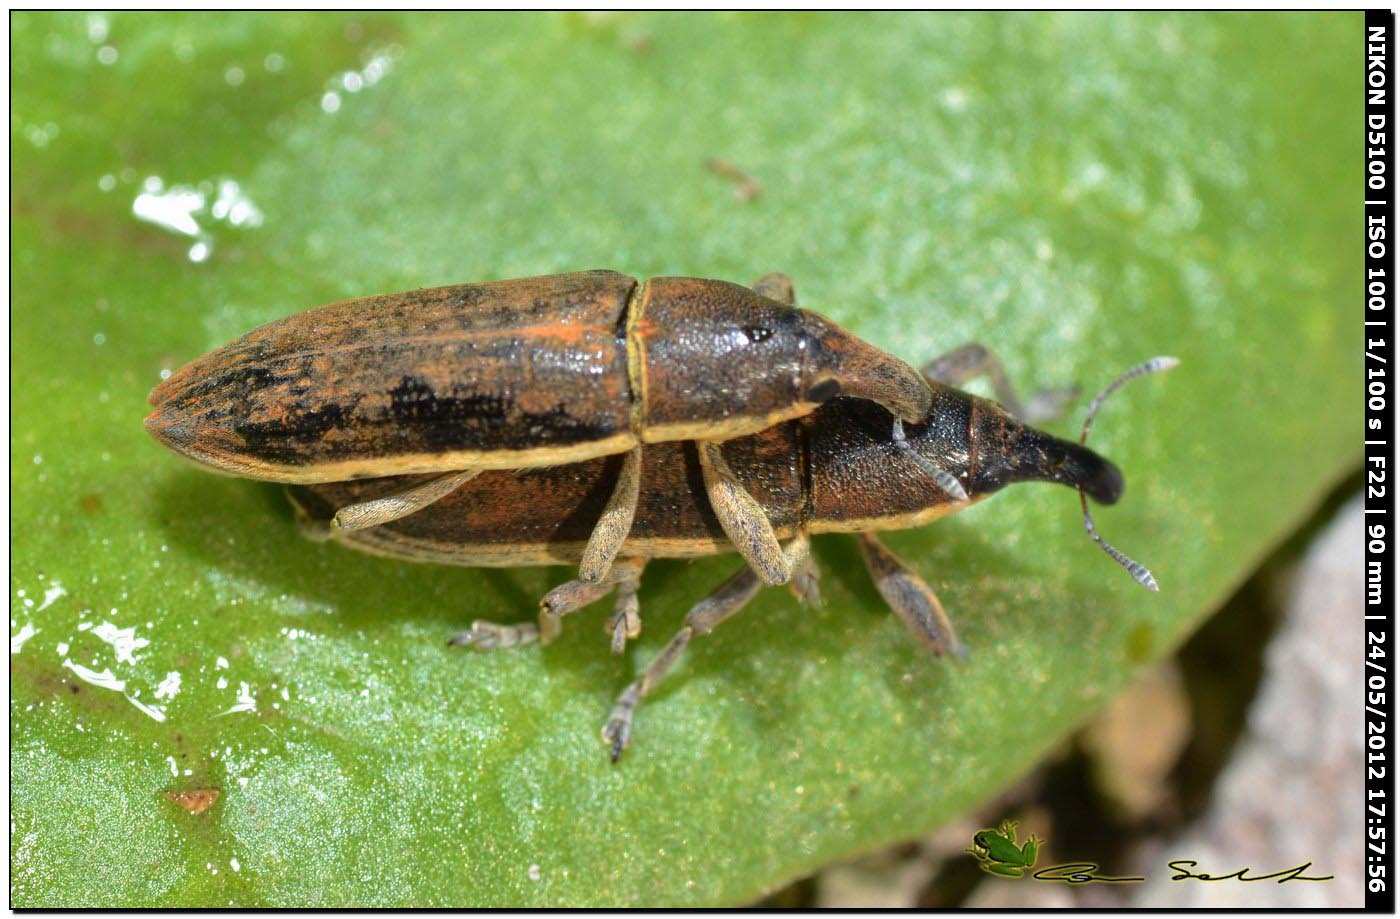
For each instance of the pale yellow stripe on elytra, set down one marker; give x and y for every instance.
(728, 429)
(413, 463)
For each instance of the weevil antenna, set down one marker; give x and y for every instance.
(941, 477)
(1138, 571)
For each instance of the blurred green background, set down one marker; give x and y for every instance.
(1077, 191)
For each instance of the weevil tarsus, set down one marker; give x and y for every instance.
(625, 622)
(571, 596)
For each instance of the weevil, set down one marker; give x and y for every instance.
(525, 374)
(838, 469)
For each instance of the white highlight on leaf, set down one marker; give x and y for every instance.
(154, 711)
(246, 702)
(123, 641)
(105, 680)
(50, 595)
(169, 686)
(173, 210)
(18, 639)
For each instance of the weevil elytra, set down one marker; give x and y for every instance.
(524, 374)
(836, 470)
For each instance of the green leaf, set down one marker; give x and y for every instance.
(1078, 192)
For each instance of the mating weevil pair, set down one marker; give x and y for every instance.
(503, 424)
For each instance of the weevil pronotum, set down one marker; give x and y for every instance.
(524, 374)
(836, 470)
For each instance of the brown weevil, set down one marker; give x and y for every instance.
(839, 469)
(524, 374)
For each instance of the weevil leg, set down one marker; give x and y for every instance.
(731, 597)
(805, 584)
(488, 636)
(910, 598)
(776, 286)
(615, 523)
(972, 360)
(575, 595)
(742, 517)
(625, 621)
(568, 597)
(400, 502)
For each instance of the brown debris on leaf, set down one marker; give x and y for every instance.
(746, 187)
(196, 801)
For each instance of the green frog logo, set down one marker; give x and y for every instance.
(997, 853)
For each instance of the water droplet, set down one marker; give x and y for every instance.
(199, 252)
(97, 29)
(99, 338)
(234, 76)
(274, 63)
(107, 182)
(330, 103)
(107, 55)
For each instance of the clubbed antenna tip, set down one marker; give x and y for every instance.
(1139, 572)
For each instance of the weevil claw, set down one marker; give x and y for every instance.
(617, 733)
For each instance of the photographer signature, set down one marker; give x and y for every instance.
(998, 853)
(1183, 868)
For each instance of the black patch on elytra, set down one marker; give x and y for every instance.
(431, 420)
(440, 422)
(292, 439)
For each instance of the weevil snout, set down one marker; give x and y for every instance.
(838, 363)
(1006, 451)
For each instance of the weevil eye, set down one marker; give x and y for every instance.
(757, 333)
(823, 390)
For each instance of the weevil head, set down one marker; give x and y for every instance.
(838, 363)
(1003, 450)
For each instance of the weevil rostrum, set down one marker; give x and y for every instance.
(818, 463)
